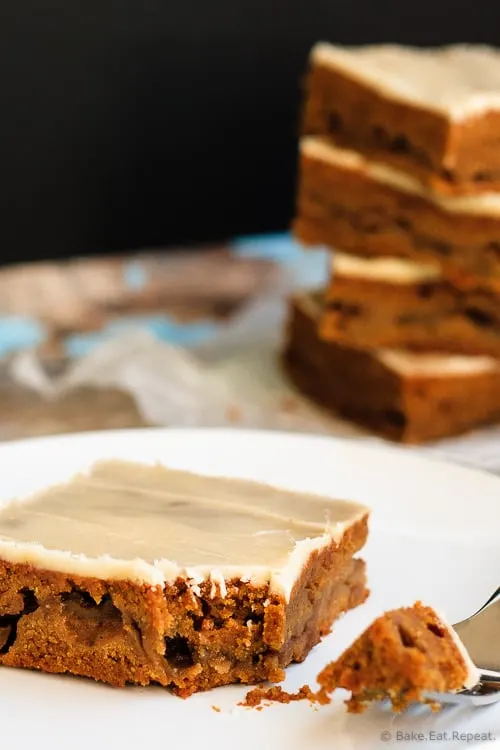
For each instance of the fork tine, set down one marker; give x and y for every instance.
(492, 597)
(486, 691)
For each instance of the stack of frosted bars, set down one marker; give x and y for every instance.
(400, 177)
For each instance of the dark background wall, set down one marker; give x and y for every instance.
(154, 122)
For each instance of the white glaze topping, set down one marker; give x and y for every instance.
(415, 363)
(459, 81)
(481, 204)
(473, 673)
(151, 524)
(391, 270)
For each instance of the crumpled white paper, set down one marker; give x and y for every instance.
(234, 380)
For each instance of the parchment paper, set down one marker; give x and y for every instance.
(234, 379)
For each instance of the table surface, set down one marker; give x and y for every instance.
(64, 310)
(184, 327)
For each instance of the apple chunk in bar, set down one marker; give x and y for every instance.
(140, 574)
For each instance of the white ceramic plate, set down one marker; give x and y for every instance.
(434, 536)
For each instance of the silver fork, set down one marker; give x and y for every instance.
(480, 634)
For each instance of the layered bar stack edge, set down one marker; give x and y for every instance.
(399, 174)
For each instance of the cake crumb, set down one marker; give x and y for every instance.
(216, 709)
(276, 694)
(233, 414)
(289, 405)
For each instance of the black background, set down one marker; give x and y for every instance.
(152, 122)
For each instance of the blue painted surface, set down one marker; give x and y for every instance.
(304, 269)
(308, 267)
(135, 275)
(17, 332)
(162, 326)
(281, 248)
